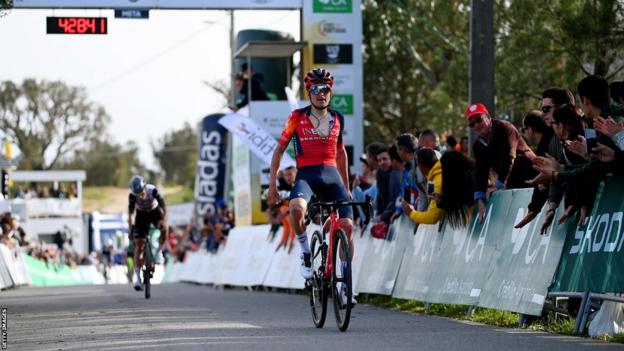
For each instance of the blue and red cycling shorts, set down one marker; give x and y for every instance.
(324, 182)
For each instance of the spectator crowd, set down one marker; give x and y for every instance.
(562, 150)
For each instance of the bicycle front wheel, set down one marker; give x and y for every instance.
(342, 289)
(147, 273)
(316, 286)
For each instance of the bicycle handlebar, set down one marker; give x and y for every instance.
(336, 204)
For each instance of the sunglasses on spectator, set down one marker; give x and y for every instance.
(317, 89)
(474, 121)
(547, 108)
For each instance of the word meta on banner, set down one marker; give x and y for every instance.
(132, 13)
(77, 25)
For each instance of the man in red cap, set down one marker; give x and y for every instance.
(499, 147)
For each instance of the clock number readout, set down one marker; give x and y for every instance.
(77, 25)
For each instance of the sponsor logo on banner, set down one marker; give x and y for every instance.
(342, 103)
(257, 139)
(326, 28)
(332, 6)
(333, 53)
(210, 178)
(343, 78)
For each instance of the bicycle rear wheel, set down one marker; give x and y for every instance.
(316, 286)
(341, 280)
(147, 273)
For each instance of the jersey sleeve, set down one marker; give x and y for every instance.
(289, 129)
(131, 202)
(158, 197)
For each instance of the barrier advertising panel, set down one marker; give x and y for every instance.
(592, 256)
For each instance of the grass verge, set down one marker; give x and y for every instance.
(550, 324)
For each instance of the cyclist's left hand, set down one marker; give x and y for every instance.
(350, 195)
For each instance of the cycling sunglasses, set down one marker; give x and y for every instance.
(317, 89)
(474, 121)
(547, 108)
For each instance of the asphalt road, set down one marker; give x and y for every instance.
(192, 317)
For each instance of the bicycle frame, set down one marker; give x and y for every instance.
(333, 226)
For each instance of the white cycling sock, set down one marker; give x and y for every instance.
(303, 242)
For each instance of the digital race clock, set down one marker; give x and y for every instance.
(77, 25)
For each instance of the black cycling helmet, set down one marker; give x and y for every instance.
(318, 76)
(136, 185)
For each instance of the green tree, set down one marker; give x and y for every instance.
(415, 64)
(416, 56)
(176, 153)
(556, 43)
(47, 120)
(5, 6)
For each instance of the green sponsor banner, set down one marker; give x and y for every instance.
(525, 260)
(342, 103)
(592, 257)
(468, 256)
(41, 274)
(332, 6)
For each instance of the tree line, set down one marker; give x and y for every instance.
(55, 126)
(416, 58)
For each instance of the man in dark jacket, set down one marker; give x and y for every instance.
(536, 132)
(500, 148)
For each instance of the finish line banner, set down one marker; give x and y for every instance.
(592, 257)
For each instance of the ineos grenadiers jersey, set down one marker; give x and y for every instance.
(312, 149)
(151, 201)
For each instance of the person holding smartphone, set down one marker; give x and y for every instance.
(429, 164)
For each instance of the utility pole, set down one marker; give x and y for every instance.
(481, 86)
(481, 75)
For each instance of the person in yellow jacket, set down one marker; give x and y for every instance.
(428, 164)
(454, 203)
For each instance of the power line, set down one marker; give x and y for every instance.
(147, 61)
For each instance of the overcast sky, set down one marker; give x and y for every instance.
(148, 74)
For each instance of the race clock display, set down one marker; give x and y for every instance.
(77, 25)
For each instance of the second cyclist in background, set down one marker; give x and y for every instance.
(146, 207)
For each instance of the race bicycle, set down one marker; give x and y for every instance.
(331, 264)
(149, 262)
(148, 265)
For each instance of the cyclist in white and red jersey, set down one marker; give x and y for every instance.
(322, 164)
(147, 206)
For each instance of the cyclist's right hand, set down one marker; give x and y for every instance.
(130, 236)
(273, 197)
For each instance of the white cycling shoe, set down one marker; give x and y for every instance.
(306, 266)
(342, 288)
(138, 286)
